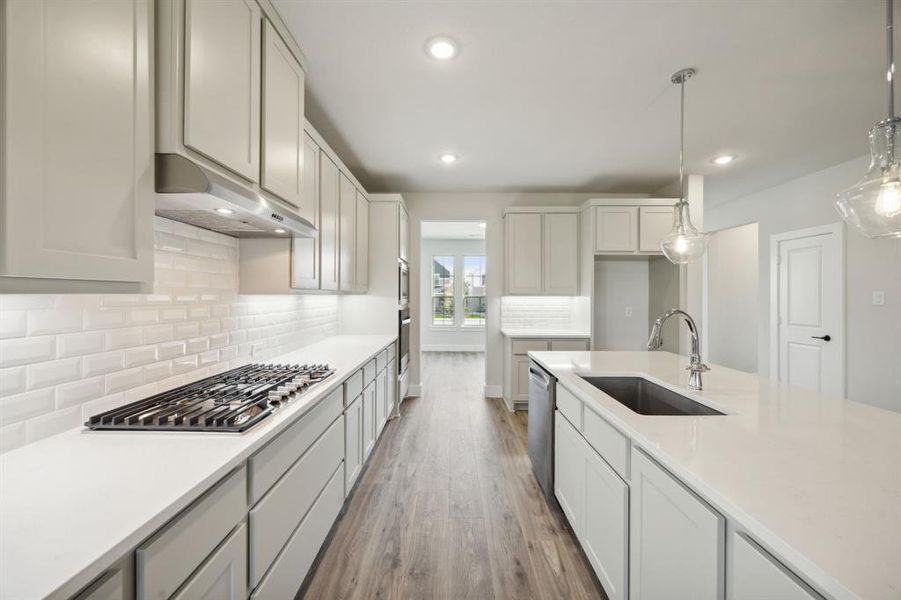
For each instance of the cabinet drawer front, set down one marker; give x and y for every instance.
(353, 387)
(563, 345)
(754, 573)
(270, 463)
(369, 372)
(168, 559)
(610, 444)
(381, 360)
(284, 578)
(224, 575)
(275, 517)
(569, 406)
(526, 346)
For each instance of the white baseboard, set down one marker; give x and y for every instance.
(493, 391)
(454, 348)
(508, 404)
(414, 390)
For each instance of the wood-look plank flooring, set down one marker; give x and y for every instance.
(448, 506)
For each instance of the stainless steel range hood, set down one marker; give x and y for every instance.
(193, 194)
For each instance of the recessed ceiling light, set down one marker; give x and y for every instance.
(723, 159)
(280, 231)
(224, 211)
(448, 158)
(442, 48)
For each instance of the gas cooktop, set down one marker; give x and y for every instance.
(233, 401)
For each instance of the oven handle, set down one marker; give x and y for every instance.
(407, 321)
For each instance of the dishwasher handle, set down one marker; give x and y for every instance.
(539, 377)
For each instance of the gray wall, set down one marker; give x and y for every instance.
(873, 332)
(448, 338)
(620, 304)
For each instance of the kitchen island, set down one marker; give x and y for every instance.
(812, 481)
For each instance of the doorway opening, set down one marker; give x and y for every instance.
(454, 267)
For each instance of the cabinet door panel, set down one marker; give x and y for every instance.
(677, 540)
(754, 574)
(362, 243)
(348, 234)
(569, 472)
(224, 575)
(561, 254)
(353, 443)
(404, 241)
(329, 190)
(368, 420)
(222, 82)
(305, 257)
(282, 156)
(655, 222)
(524, 269)
(381, 401)
(391, 387)
(615, 229)
(520, 378)
(606, 529)
(78, 144)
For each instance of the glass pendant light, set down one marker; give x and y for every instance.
(684, 243)
(873, 204)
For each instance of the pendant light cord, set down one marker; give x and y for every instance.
(889, 57)
(682, 138)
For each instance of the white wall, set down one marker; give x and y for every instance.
(620, 304)
(873, 373)
(447, 338)
(732, 295)
(65, 357)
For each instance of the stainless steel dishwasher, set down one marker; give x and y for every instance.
(542, 387)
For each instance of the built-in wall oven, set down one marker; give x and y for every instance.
(403, 336)
(403, 278)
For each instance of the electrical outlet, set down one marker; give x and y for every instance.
(628, 311)
(879, 298)
(256, 350)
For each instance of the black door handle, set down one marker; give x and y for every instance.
(825, 338)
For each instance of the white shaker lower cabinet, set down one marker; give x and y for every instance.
(368, 420)
(605, 526)
(116, 584)
(391, 388)
(569, 471)
(753, 574)
(381, 402)
(224, 575)
(353, 443)
(677, 540)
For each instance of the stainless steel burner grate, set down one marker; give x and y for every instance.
(233, 401)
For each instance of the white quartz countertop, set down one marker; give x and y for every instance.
(545, 333)
(74, 503)
(815, 479)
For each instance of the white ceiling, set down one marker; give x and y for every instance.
(453, 230)
(575, 95)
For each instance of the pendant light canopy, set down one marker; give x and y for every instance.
(873, 204)
(684, 243)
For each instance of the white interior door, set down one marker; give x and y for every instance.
(811, 310)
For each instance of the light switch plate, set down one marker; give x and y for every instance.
(879, 298)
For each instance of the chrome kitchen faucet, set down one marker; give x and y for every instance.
(695, 366)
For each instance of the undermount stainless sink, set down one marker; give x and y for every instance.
(647, 398)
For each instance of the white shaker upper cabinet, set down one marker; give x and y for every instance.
(329, 190)
(222, 83)
(677, 540)
(524, 265)
(283, 136)
(616, 229)
(656, 222)
(403, 250)
(76, 200)
(347, 245)
(306, 251)
(361, 283)
(561, 254)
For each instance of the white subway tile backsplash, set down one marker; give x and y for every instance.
(45, 321)
(77, 344)
(98, 351)
(21, 351)
(19, 407)
(54, 372)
